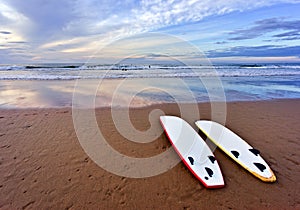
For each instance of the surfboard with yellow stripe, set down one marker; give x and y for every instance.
(238, 149)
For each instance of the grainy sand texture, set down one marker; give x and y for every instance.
(42, 164)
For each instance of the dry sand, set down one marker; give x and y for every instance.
(42, 164)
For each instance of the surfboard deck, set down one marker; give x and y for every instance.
(193, 151)
(238, 149)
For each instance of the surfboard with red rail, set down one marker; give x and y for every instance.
(193, 151)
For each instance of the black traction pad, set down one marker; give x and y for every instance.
(209, 171)
(212, 159)
(254, 151)
(191, 160)
(235, 153)
(260, 166)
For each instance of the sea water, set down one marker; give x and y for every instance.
(94, 71)
(51, 85)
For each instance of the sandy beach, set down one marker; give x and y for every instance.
(83, 85)
(42, 164)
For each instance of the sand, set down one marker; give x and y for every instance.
(42, 164)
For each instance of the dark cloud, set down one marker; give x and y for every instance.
(18, 42)
(291, 35)
(5, 32)
(223, 42)
(266, 26)
(258, 51)
(17, 49)
(153, 55)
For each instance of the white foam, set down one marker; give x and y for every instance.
(71, 72)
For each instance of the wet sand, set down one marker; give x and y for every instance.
(42, 164)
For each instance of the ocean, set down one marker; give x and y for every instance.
(94, 71)
(54, 85)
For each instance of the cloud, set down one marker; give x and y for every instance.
(58, 19)
(44, 18)
(12, 54)
(291, 35)
(262, 27)
(12, 19)
(48, 25)
(160, 13)
(222, 42)
(5, 32)
(256, 51)
(17, 42)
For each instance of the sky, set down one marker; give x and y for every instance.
(47, 31)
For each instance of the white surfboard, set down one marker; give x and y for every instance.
(193, 151)
(238, 149)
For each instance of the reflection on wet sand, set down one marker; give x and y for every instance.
(92, 93)
(27, 94)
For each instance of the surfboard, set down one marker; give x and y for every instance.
(193, 151)
(238, 149)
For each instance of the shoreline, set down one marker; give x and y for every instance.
(154, 104)
(43, 165)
